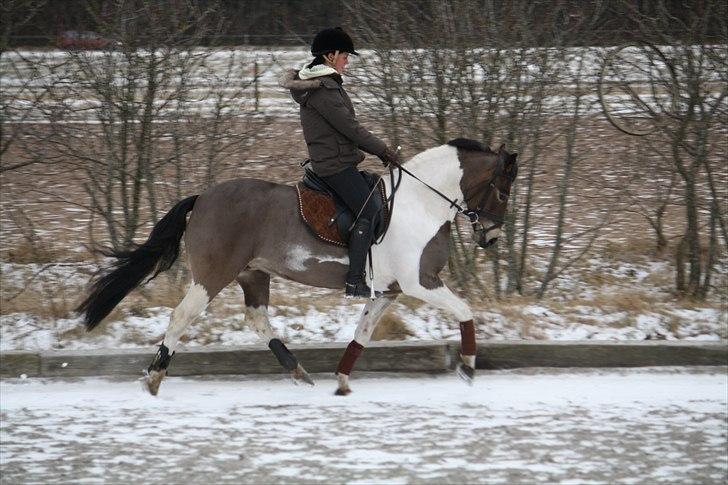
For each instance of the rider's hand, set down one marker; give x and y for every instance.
(389, 156)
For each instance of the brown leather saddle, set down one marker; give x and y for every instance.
(328, 217)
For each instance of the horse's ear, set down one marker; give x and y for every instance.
(512, 165)
(502, 155)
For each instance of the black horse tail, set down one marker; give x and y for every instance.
(157, 254)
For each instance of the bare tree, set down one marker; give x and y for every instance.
(691, 49)
(22, 75)
(126, 91)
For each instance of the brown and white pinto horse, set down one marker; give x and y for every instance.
(246, 230)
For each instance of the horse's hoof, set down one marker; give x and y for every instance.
(466, 373)
(300, 374)
(343, 389)
(152, 380)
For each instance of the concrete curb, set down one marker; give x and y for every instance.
(431, 356)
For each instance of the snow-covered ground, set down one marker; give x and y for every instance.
(617, 426)
(303, 314)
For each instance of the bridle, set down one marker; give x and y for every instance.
(473, 214)
(479, 211)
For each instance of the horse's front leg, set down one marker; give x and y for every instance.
(373, 311)
(440, 296)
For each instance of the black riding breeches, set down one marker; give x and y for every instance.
(353, 190)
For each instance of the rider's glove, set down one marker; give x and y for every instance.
(389, 156)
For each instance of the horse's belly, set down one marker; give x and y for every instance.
(300, 264)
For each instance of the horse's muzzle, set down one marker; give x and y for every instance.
(486, 239)
(486, 244)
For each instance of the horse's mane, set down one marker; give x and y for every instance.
(468, 144)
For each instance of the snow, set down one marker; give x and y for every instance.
(626, 426)
(302, 314)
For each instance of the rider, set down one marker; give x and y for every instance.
(335, 139)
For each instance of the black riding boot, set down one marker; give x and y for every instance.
(359, 242)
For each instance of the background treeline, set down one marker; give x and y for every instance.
(291, 22)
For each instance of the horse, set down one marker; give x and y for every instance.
(246, 230)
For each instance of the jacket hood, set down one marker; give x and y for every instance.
(300, 88)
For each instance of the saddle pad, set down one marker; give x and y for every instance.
(317, 211)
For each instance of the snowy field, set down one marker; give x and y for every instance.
(537, 426)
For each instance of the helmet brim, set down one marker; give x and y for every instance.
(320, 53)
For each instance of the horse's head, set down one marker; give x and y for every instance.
(486, 186)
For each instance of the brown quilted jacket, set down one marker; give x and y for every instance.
(334, 137)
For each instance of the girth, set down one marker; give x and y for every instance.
(328, 217)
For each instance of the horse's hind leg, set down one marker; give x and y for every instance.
(256, 287)
(194, 302)
(373, 311)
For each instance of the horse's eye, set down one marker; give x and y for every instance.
(502, 198)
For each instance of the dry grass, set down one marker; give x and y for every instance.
(410, 302)
(673, 324)
(633, 301)
(164, 291)
(319, 302)
(599, 278)
(391, 327)
(31, 252)
(74, 333)
(633, 250)
(664, 278)
(512, 309)
(50, 300)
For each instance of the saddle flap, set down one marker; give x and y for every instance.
(317, 209)
(327, 217)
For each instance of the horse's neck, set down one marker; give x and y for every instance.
(440, 169)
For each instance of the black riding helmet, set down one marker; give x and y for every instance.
(330, 40)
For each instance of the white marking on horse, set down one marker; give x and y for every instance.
(418, 215)
(257, 318)
(298, 256)
(194, 303)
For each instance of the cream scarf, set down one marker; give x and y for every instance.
(316, 71)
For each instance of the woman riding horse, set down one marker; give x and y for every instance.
(247, 230)
(335, 141)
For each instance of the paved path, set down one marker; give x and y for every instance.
(637, 426)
